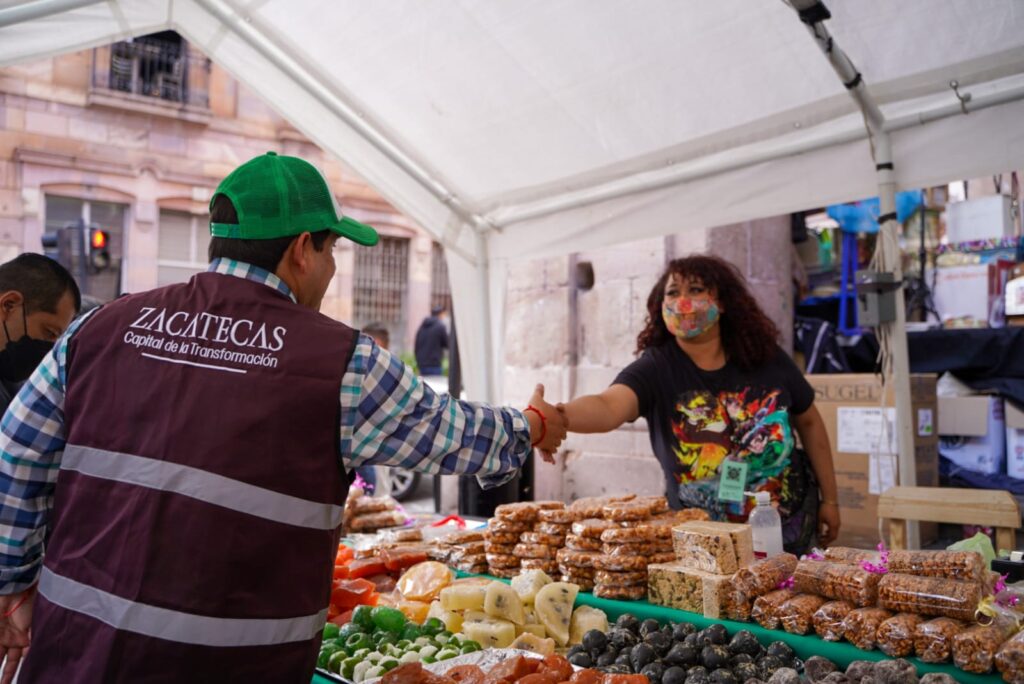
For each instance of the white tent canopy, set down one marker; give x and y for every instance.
(515, 129)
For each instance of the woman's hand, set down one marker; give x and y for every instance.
(828, 523)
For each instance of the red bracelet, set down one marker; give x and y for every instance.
(21, 601)
(543, 424)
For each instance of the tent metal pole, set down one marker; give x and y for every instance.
(30, 11)
(483, 269)
(660, 177)
(888, 257)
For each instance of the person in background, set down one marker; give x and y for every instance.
(432, 341)
(715, 388)
(184, 454)
(38, 300)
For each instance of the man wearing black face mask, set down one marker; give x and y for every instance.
(38, 300)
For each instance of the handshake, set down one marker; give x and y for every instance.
(548, 424)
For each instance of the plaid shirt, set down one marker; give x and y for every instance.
(389, 417)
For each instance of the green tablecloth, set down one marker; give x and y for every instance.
(841, 653)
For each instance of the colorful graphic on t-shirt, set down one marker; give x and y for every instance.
(751, 425)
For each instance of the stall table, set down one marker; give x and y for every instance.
(841, 653)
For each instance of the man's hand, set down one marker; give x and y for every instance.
(554, 421)
(828, 523)
(14, 631)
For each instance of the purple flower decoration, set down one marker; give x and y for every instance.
(787, 583)
(883, 561)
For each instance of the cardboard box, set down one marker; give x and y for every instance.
(973, 432)
(984, 218)
(1014, 440)
(850, 405)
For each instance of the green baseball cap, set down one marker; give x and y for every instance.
(278, 196)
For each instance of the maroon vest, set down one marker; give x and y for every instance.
(199, 499)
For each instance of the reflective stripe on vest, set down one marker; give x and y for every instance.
(202, 485)
(173, 625)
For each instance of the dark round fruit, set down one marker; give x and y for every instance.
(723, 676)
(573, 650)
(606, 659)
(581, 659)
(768, 665)
(623, 659)
(741, 658)
(782, 651)
(745, 671)
(716, 634)
(595, 640)
(697, 677)
(654, 672)
(681, 630)
(681, 655)
(659, 641)
(628, 621)
(674, 675)
(714, 657)
(616, 669)
(693, 640)
(621, 638)
(744, 642)
(648, 626)
(641, 655)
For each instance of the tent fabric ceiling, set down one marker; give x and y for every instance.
(520, 129)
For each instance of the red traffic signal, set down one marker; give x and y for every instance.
(99, 257)
(98, 239)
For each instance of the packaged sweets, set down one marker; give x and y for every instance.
(714, 546)
(895, 636)
(837, 581)
(975, 648)
(959, 565)
(861, 626)
(797, 614)
(828, 620)
(1010, 659)
(677, 586)
(757, 579)
(930, 596)
(933, 640)
(766, 607)
(844, 554)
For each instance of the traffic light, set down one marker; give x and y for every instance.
(99, 256)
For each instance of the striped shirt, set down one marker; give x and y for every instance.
(389, 417)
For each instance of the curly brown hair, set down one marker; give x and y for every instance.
(748, 335)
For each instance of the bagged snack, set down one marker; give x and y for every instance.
(759, 578)
(765, 610)
(677, 586)
(861, 626)
(933, 640)
(797, 614)
(959, 565)
(844, 554)
(895, 636)
(1010, 659)
(828, 620)
(930, 596)
(837, 581)
(975, 648)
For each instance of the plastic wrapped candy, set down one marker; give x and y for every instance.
(838, 581)
(895, 636)
(930, 596)
(828, 620)
(844, 554)
(758, 579)
(933, 640)
(1010, 659)
(974, 649)
(959, 565)
(797, 614)
(861, 626)
(765, 610)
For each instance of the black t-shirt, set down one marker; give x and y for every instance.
(698, 418)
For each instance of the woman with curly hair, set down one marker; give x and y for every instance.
(716, 389)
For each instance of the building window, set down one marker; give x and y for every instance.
(65, 212)
(380, 282)
(159, 66)
(440, 288)
(182, 246)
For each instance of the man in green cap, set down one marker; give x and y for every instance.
(185, 453)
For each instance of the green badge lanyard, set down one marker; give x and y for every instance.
(732, 481)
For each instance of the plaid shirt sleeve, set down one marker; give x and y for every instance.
(31, 447)
(390, 417)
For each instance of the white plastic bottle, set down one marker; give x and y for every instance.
(766, 526)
